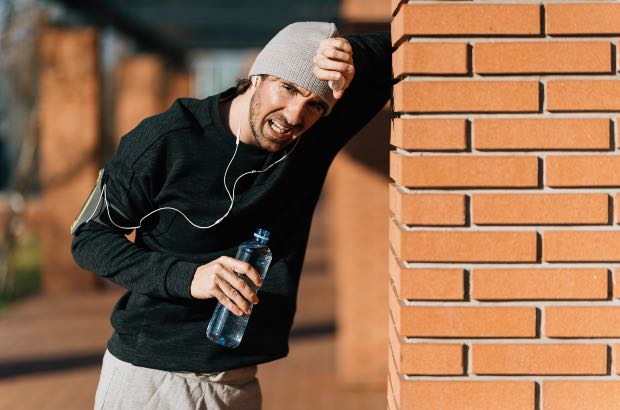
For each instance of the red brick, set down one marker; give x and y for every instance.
(583, 95)
(426, 358)
(543, 57)
(523, 209)
(542, 134)
(466, 395)
(464, 171)
(582, 171)
(426, 321)
(578, 19)
(463, 246)
(427, 209)
(582, 321)
(466, 96)
(395, 5)
(427, 284)
(431, 58)
(616, 284)
(617, 207)
(581, 395)
(616, 358)
(539, 284)
(466, 19)
(429, 134)
(542, 359)
(581, 246)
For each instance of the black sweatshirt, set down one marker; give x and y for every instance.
(177, 159)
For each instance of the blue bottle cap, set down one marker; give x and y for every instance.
(262, 234)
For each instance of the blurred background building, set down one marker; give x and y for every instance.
(74, 77)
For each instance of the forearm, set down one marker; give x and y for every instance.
(367, 93)
(110, 255)
(372, 57)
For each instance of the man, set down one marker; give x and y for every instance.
(191, 161)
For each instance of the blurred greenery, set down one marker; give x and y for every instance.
(25, 265)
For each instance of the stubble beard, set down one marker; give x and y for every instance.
(256, 127)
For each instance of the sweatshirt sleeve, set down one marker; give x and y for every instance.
(101, 246)
(369, 91)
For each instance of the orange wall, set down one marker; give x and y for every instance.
(504, 206)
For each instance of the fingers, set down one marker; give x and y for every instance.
(325, 63)
(334, 54)
(333, 62)
(339, 43)
(327, 75)
(228, 303)
(244, 268)
(219, 279)
(231, 289)
(240, 286)
(338, 94)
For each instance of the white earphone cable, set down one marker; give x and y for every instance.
(230, 195)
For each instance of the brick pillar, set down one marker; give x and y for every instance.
(356, 192)
(140, 91)
(506, 180)
(69, 133)
(179, 85)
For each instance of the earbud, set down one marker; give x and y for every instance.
(254, 81)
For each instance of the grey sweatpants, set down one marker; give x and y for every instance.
(125, 386)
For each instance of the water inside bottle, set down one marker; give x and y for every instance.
(226, 328)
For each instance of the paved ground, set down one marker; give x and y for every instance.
(51, 348)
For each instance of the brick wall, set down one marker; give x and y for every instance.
(505, 206)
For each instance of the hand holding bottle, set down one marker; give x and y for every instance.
(224, 328)
(218, 279)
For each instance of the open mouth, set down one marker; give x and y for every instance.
(278, 128)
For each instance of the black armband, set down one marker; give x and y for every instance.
(93, 205)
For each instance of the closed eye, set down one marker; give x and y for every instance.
(317, 106)
(289, 88)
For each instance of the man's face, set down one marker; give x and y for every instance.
(281, 111)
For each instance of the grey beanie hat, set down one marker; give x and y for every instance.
(289, 56)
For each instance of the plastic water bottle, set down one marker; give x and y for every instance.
(225, 327)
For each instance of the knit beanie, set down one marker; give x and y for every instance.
(289, 56)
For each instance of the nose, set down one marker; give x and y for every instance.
(294, 114)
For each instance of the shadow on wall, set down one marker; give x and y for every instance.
(371, 146)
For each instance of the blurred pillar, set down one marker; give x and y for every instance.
(179, 85)
(357, 199)
(69, 134)
(140, 91)
(365, 11)
(144, 87)
(357, 206)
